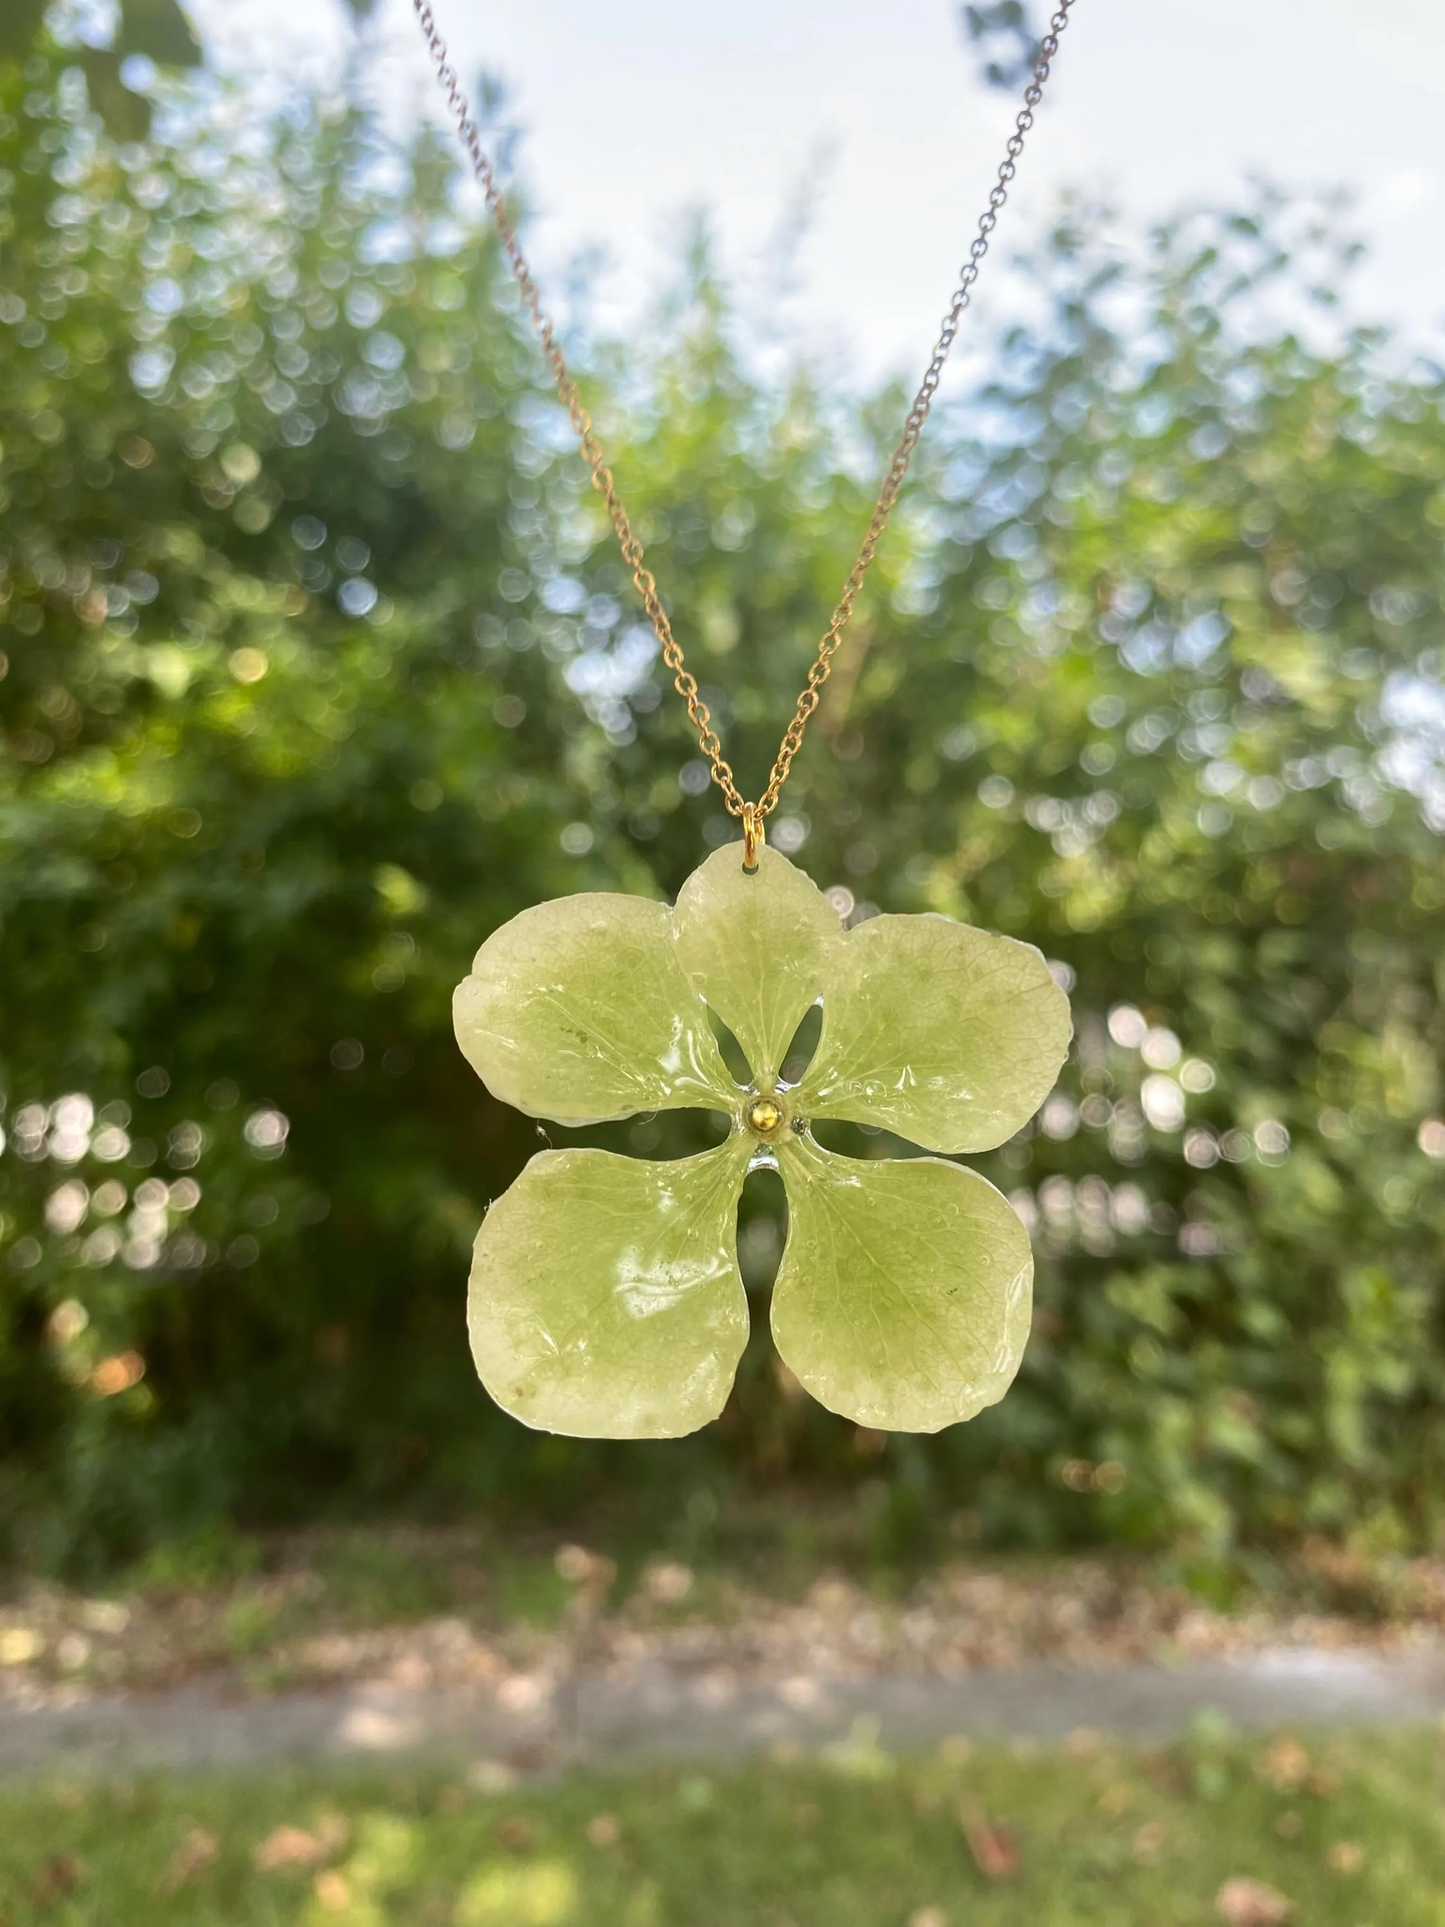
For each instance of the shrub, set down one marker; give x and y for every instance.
(320, 663)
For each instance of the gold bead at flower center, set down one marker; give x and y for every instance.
(764, 1116)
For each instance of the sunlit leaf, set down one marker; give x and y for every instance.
(606, 1300)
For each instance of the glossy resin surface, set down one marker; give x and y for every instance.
(605, 1295)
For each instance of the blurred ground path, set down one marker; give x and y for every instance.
(533, 1721)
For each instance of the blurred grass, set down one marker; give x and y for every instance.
(372, 1579)
(1348, 1829)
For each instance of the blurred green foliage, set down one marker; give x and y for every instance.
(145, 35)
(319, 663)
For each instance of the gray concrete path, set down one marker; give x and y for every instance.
(529, 1723)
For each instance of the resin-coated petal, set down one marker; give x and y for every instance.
(904, 1293)
(578, 1010)
(605, 1298)
(940, 1032)
(755, 947)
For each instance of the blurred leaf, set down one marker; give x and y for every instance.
(1004, 41)
(1244, 1902)
(190, 1860)
(994, 1851)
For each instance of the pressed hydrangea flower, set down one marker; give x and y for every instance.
(606, 1300)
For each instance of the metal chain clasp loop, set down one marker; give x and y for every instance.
(754, 837)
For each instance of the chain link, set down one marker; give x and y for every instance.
(602, 478)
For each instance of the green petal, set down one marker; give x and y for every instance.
(605, 1298)
(755, 947)
(578, 1010)
(945, 1034)
(904, 1293)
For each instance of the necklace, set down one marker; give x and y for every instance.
(605, 1297)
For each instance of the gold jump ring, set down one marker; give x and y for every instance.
(753, 837)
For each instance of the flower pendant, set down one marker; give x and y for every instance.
(606, 1300)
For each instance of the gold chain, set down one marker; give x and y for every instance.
(602, 478)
